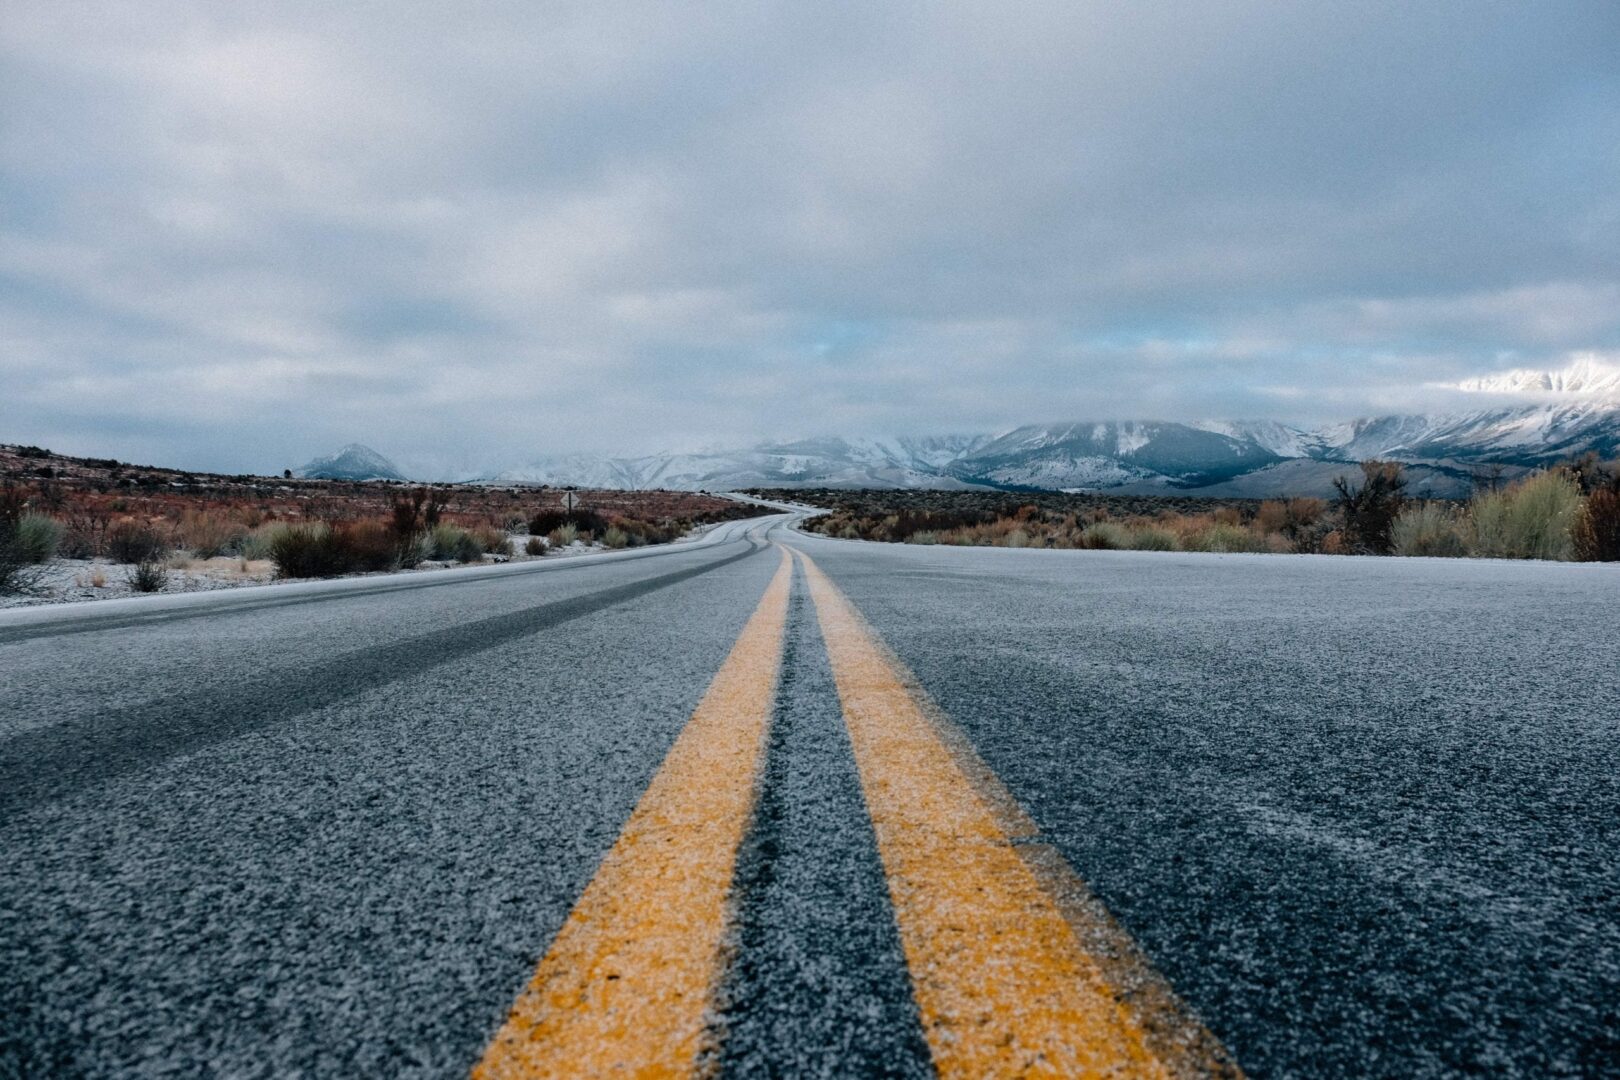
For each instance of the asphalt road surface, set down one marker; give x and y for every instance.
(860, 810)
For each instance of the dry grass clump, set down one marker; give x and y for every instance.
(1224, 537)
(1149, 537)
(206, 533)
(147, 576)
(1429, 529)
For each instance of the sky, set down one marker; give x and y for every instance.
(234, 236)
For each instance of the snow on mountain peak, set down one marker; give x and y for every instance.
(1588, 377)
(354, 462)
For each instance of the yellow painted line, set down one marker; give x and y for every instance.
(1003, 982)
(624, 988)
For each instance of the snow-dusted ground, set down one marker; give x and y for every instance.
(69, 581)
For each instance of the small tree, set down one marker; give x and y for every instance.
(1370, 510)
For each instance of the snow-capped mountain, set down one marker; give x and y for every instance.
(1520, 420)
(353, 462)
(1108, 455)
(1586, 377)
(823, 462)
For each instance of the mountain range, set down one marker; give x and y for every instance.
(1531, 418)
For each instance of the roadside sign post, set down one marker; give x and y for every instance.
(569, 501)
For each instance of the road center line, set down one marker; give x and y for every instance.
(1003, 983)
(627, 982)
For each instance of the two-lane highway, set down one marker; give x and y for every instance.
(780, 805)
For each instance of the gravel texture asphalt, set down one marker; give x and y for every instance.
(1361, 813)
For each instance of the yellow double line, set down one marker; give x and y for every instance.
(1016, 970)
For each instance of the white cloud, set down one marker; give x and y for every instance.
(627, 226)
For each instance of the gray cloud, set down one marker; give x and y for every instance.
(236, 235)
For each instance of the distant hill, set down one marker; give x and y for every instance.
(353, 462)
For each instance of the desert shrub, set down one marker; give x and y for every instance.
(147, 576)
(1428, 529)
(35, 538)
(17, 572)
(1533, 519)
(584, 520)
(364, 546)
(1288, 517)
(131, 541)
(1370, 510)
(1334, 543)
(534, 546)
(924, 536)
(452, 543)
(1152, 538)
(546, 520)
(1272, 516)
(615, 537)
(302, 551)
(1105, 536)
(1593, 475)
(442, 541)
(206, 534)
(492, 541)
(257, 543)
(1223, 537)
(406, 514)
(649, 532)
(562, 536)
(323, 550)
(1596, 535)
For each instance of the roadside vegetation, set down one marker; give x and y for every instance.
(154, 529)
(1571, 512)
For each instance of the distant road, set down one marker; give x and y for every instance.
(774, 804)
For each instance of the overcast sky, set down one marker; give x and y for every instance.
(236, 235)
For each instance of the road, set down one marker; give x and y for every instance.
(774, 804)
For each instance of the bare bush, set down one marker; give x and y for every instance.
(1370, 510)
(131, 541)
